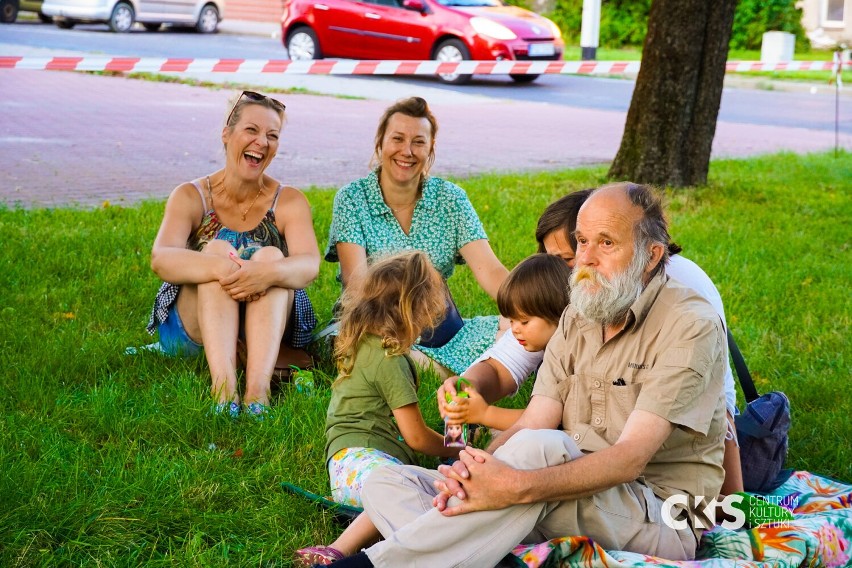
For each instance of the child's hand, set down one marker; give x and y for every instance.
(467, 410)
(446, 393)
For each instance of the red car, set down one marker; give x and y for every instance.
(444, 30)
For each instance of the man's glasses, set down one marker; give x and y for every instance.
(256, 97)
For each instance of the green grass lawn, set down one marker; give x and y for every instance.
(110, 459)
(573, 52)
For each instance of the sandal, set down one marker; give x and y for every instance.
(257, 410)
(313, 555)
(230, 409)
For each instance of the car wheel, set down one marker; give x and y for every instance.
(523, 77)
(65, 24)
(45, 19)
(302, 45)
(152, 26)
(208, 20)
(452, 51)
(8, 11)
(121, 19)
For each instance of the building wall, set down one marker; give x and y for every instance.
(254, 10)
(818, 29)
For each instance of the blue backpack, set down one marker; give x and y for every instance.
(762, 431)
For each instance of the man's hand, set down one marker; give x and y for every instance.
(481, 482)
(450, 486)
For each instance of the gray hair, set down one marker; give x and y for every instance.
(653, 227)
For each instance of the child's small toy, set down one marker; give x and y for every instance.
(456, 435)
(303, 379)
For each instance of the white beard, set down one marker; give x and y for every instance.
(604, 301)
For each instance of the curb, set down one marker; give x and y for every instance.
(733, 80)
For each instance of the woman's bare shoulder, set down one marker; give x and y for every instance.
(290, 196)
(186, 197)
(189, 188)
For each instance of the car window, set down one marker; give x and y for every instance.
(393, 3)
(465, 3)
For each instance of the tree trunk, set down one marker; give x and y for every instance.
(672, 117)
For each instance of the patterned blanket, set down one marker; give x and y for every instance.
(820, 534)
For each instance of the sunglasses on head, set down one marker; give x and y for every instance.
(256, 97)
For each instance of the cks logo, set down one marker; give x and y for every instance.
(709, 510)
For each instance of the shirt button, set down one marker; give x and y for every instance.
(597, 384)
(598, 420)
(577, 437)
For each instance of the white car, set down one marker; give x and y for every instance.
(120, 15)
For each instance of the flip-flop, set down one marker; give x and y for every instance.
(316, 555)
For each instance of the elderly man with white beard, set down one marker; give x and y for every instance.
(626, 412)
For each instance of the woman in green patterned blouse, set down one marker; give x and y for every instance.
(398, 206)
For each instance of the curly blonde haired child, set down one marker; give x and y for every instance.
(373, 418)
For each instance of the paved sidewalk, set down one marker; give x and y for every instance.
(84, 139)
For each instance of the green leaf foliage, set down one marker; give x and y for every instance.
(625, 22)
(754, 17)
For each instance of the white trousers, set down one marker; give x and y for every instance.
(398, 500)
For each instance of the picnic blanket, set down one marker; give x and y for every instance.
(820, 534)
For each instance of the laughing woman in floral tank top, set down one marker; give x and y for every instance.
(235, 250)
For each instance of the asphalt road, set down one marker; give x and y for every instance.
(799, 108)
(179, 42)
(74, 138)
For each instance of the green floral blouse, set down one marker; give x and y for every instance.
(444, 221)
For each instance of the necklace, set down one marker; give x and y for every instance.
(225, 189)
(403, 208)
(253, 201)
(396, 210)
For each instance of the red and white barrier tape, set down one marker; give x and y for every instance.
(353, 67)
(740, 66)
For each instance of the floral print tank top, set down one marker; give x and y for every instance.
(246, 242)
